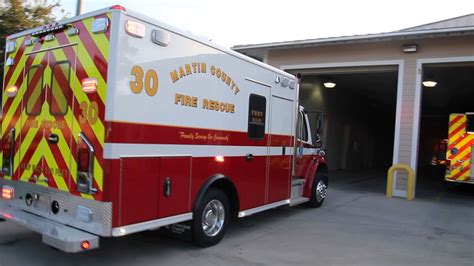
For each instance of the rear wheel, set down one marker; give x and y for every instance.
(318, 191)
(210, 218)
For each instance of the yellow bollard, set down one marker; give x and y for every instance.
(411, 180)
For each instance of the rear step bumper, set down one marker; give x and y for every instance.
(54, 234)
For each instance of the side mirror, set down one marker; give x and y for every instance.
(319, 130)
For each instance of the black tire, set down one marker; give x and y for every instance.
(207, 238)
(317, 198)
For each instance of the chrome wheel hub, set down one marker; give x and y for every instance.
(213, 218)
(321, 191)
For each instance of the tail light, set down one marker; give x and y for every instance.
(85, 165)
(8, 146)
(8, 192)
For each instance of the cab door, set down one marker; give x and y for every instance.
(46, 139)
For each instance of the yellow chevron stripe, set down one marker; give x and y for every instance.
(26, 174)
(48, 155)
(98, 127)
(100, 40)
(21, 90)
(89, 65)
(461, 122)
(466, 140)
(18, 69)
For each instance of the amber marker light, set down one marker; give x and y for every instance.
(8, 192)
(89, 85)
(12, 91)
(219, 159)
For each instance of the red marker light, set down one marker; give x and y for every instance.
(219, 159)
(85, 245)
(118, 7)
(8, 192)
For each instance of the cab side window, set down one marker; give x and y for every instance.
(302, 127)
(256, 117)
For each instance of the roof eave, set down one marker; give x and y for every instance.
(361, 38)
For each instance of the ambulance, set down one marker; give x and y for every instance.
(459, 153)
(115, 123)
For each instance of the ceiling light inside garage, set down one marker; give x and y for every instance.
(429, 82)
(329, 84)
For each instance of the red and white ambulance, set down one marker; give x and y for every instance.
(115, 123)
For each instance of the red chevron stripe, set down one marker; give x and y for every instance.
(30, 151)
(462, 148)
(86, 128)
(81, 74)
(17, 57)
(92, 49)
(47, 174)
(18, 83)
(460, 174)
(465, 158)
(456, 130)
(455, 120)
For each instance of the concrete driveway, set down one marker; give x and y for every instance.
(354, 227)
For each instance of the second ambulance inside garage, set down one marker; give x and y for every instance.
(378, 112)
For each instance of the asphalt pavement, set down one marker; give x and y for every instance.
(357, 225)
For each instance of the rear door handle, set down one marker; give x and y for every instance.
(249, 156)
(53, 138)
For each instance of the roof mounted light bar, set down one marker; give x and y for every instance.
(48, 29)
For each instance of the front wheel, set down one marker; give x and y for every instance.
(318, 191)
(210, 218)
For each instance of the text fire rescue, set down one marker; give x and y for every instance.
(191, 101)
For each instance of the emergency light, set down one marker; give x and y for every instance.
(11, 47)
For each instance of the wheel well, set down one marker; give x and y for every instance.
(225, 184)
(323, 169)
(228, 187)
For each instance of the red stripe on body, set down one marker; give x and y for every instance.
(122, 132)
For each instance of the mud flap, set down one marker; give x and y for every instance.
(181, 231)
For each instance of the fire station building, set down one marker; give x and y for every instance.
(386, 97)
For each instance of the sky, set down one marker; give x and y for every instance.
(237, 22)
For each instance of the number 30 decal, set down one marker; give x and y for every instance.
(150, 81)
(89, 113)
